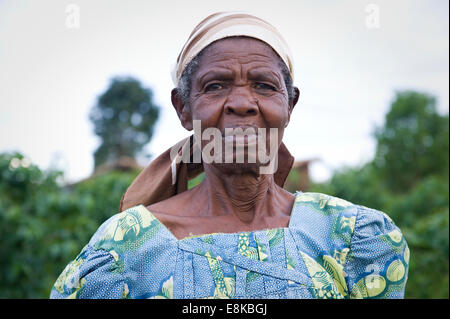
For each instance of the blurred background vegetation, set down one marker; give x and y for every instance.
(44, 223)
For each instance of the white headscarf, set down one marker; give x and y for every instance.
(228, 24)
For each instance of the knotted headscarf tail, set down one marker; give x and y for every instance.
(155, 182)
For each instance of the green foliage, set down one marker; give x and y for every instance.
(123, 118)
(409, 180)
(413, 134)
(43, 225)
(22, 225)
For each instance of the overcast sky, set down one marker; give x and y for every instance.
(350, 57)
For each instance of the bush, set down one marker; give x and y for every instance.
(43, 225)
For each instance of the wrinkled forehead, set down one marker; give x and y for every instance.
(245, 49)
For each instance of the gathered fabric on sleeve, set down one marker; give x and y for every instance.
(90, 275)
(378, 261)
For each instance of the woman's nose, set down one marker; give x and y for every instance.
(241, 102)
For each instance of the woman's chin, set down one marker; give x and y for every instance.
(244, 168)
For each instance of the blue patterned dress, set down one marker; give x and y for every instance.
(331, 249)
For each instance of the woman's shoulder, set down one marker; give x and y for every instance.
(131, 239)
(322, 202)
(340, 218)
(127, 230)
(327, 205)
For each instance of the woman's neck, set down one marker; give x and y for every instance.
(247, 196)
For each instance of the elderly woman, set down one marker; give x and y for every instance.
(238, 234)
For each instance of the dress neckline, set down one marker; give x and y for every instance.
(200, 236)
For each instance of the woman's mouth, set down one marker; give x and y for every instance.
(241, 139)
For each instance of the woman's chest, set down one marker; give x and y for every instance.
(183, 227)
(261, 264)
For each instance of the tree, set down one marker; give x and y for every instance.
(413, 143)
(123, 118)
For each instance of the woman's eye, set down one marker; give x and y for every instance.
(264, 86)
(213, 87)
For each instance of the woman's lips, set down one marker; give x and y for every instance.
(241, 139)
(243, 134)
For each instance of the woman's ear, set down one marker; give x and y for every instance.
(293, 102)
(296, 96)
(183, 110)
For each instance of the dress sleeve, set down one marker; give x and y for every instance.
(95, 273)
(91, 275)
(378, 260)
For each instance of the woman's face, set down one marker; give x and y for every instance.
(239, 83)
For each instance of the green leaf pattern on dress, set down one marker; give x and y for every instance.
(324, 284)
(225, 286)
(166, 290)
(128, 230)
